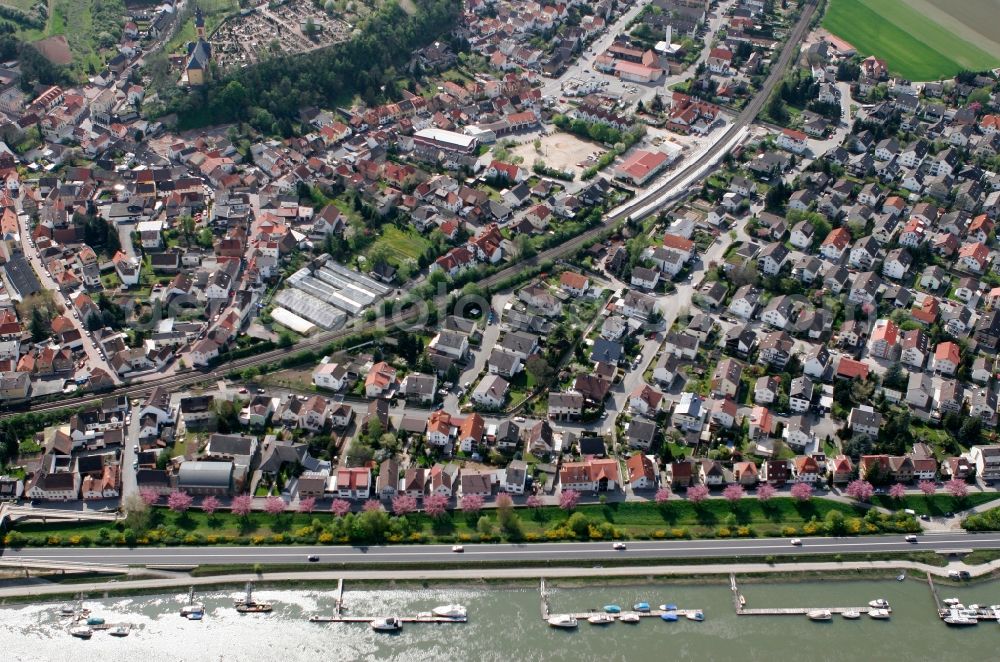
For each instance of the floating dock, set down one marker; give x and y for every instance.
(402, 619)
(340, 607)
(584, 615)
(739, 603)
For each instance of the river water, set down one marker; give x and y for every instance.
(505, 624)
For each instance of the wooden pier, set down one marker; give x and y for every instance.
(584, 615)
(369, 619)
(934, 593)
(340, 597)
(739, 603)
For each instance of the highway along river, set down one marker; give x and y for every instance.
(506, 624)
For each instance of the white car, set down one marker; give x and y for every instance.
(911, 538)
(619, 546)
(797, 542)
(457, 548)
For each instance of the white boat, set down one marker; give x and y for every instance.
(82, 632)
(119, 631)
(851, 614)
(880, 603)
(194, 608)
(959, 620)
(879, 614)
(67, 610)
(974, 607)
(696, 615)
(450, 611)
(601, 619)
(563, 621)
(820, 615)
(387, 624)
(630, 617)
(950, 601)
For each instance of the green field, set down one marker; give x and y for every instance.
(401, 245)
(915, 45)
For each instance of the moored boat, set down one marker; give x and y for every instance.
(563, 621)
(612, 609)
(668, 607)
(95, 620)
(119, 631)
(901, 576)
(601, 619)
(641, 606)
(880, 603)
(696, 615)
(851, 614)
(669, 616)
(960, 620)
(67, 610)
(820, 615)
(629, 617)
(82, 632)
(195, 616)
(387, 624)
(450, 611)
(950, 601)
(879, 614)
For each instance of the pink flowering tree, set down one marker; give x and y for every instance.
(436, 505)
(860, 490)
(307, 505)
(149, 496)
(765, 492)
(274, 505)
(242, 505)
(340, 507)
(403, 504)
(957, 488)
(697, 493)
(209, 505)
(471, 504)
(568, 499)
(179, 501)
(802, 491)
(372, 504)
(733, 492)
(897, 491)
(928, 487)
(534, 501)
(662, 495)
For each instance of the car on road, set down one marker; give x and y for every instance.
(457, 548)
(911, 538)
(261, 391)
(243, 389)
(312, 558)
(618, 546)
(519, 419)
(796, 541)
(135, 464)
(135, 448)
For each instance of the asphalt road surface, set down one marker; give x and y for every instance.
(430, 554)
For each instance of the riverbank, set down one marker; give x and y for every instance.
(462, 576)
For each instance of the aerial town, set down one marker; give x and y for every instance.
(583, 252)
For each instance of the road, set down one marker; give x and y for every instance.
(94, 358)
(541, 552)
(638, 209)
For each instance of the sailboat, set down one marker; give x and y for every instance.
(247, 605)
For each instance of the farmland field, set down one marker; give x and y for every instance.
(921, 39)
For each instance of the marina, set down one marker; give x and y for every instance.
(450, 613)
(504, 622)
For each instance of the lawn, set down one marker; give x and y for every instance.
(915, 46)
(402, 244)
(936, 505)
(676, 519)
